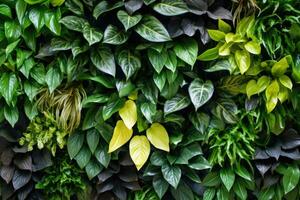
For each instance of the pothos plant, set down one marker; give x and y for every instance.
(139, 146)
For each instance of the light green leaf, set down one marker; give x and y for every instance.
(216, 35)
(290, 178)
(5, 10)
(286, 81)
(243, 61)
(280, 67)
(253, 47)
(152, 30)
(210, 54)
(223, 26)
(36, 16)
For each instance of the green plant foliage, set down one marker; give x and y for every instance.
(44, 132)
(149, 99)
(62, 181)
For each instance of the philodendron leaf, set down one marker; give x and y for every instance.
(91, 34)
(75, 142)
(253, 47)
(104, 60)
(171, 7)
(171, 174)
(280, 67)
(5, 10)
(158, 137)
(128, 113)
(8, 87)
(187, 50)
(129, 62)
(151, 29)
(227, 176)
(112, 35)
(177, 103)
(74, 23)
(120, 136)
(242, 59)
(139, 149)
(127, 20)
(160, 186)
(83, 157)
(290, 178)
(53, 78)
(11, 115)
(200, 92)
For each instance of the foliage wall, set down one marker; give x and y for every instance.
(149, 99)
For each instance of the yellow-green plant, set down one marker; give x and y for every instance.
(276, 85)
(43, 131)
(139, 146)
(238, 47)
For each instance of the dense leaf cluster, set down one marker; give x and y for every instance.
(149, 99)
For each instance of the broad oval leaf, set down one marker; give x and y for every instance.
(104, 60)
(200, 92)
(172, 174)
(112, 35)
(128, 113)
(243, 61)
(177, 103)
(227, 176)
(120, 136)
(171, 7)
(151, 29)
(129, 62)
(158, 137)
(253, 47)
(75, 142)
(139, 149)
(74, 23)
(187, 50)
(127, 20)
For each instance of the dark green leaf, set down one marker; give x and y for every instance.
(112, 35)
(200, 92)
(172, 174)
(187, 50)
(128, 21)
(177, 103)
(83, 157)
(129, 62)
(104, 60)
(75, 142)
(92, 139)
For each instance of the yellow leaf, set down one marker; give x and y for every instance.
(128, 113)
(133, 95)
(158, 136)
(139, 149)
(121, 135)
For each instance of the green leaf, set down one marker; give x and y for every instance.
(223, 26)
(290, 178)
(148, 110)
(73, 23)
(171, 174)
(272, 95)
(91, 35)
(92, 139)
(11, 47)
(240, 190)
(129, 62)
(11, 115)
(12, 30)
(30, 109)
(187, 50)
(266, 194)
(160, 186)
(106, 6)
(227, 176)
(160, 80)
(102, 156)
(104, 60)
(36, 16)
(31, 89)
(210, 54)
(52, 21)
(212, 179)
(216, 35)
(182, 192)
(157, 59)
(286, 81)
(8, 87)
(171, 7)
(200, 121)
(209, 194)
(83, 157)
(243, 61)
(177, 103)
(200, 92)
(113, 106)
(280, 67)
(222, 194)
(5, 10)
(53, 78)
(75, 142)
(151, 29)
(199, 163)
(171, 62)
(128, 21)
(243, 172)
(112, 35)
(92, 169)
(95, 98)
(253, 47)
